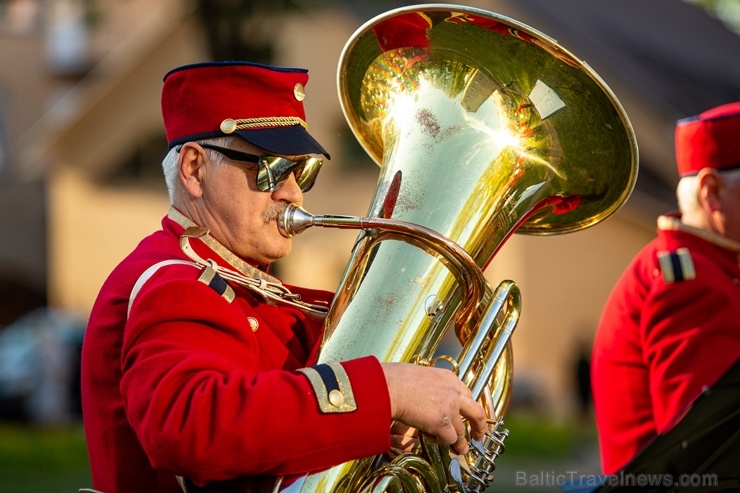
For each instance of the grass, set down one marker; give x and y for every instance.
(531, 437)
(540, 452)
(36, 460)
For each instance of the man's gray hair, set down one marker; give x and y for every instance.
(687, 193)
(169, 163)
(687, 190)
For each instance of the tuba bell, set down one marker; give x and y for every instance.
(482, 127)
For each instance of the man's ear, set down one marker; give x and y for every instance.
(191, 167)
(710, 187)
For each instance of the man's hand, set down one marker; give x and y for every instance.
(403, 437)
(434, 401)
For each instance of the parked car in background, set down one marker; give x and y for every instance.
(40, 367)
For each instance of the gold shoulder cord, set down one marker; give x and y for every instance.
(269, 290)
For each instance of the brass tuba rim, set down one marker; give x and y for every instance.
(347, 79)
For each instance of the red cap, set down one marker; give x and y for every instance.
(709, 140)
(260, 104)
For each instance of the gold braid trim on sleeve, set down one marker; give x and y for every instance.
(332, 387)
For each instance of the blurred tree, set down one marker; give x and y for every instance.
(728, 11)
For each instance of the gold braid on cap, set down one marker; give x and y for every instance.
(229, 125)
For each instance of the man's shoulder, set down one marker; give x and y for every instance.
(157, 247)
(656, 267)
(670, 259)
(686, 257)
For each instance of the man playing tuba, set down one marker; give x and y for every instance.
(198, 364)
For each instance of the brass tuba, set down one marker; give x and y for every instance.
(482, 127)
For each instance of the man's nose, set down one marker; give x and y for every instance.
(289, 191)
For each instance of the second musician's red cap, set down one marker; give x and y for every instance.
(709, 140)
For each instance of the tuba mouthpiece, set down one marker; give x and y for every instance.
(294, 220)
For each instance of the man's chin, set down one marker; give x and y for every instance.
(286, 246)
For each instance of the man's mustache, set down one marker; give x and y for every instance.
(274, 211)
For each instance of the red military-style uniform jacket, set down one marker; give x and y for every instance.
(670, 327)
(201, 379)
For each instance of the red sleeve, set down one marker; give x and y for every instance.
(206, 402)
(691, 336)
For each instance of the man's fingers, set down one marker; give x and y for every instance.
(476, 416)
(403, 442)
(435, 401)
(461, 443)
(447, 433)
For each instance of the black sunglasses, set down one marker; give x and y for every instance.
(271, 170)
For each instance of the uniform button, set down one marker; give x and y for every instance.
(299, 92)
(228, 126)
(336, 398)
(253, 323)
